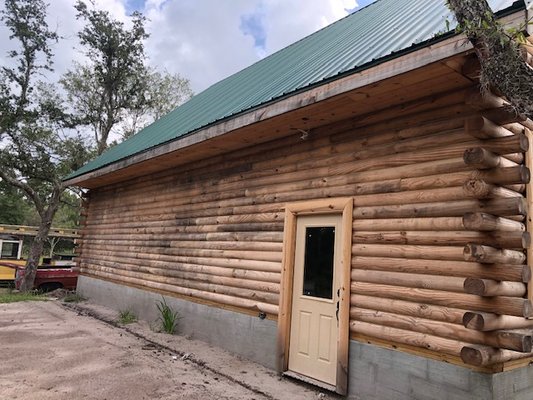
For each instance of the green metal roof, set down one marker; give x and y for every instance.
(373, 34)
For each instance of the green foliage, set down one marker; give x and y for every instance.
(126, 317)
(164, 92)
(113, 82)
(12, 297)
(167, 316)
(14, 209)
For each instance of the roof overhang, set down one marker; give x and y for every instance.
(234, 133)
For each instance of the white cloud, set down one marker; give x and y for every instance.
(203, 43)
(289, 21)
(201, 40)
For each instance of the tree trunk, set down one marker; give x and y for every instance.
(36, 249)
(503, 67)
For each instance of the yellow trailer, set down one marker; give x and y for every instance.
(11, 240)
(10, 255)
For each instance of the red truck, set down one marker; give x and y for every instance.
(51, 277)
(53, 274)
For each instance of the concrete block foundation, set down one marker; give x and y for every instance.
(382, 374)
(375, 373)
(250, 337)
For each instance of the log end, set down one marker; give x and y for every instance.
(477, 189)
(473, 155)
(475, 286)
(526, 240)
(473, 320)
(526, 273)
(525, 175)
(472, 221)
(524, 143)
(473, 355)
(528, 309)
(471, 252)
(516, 341)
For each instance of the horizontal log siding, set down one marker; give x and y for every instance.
(425, 185)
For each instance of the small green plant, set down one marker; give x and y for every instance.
(167, 316)
(13, 297)
(126, 317)
(73, 298)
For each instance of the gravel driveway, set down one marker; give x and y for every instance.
(50, 351)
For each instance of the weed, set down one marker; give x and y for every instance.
(13, 297)
(167, 316)
(126, 317)
(73, 298)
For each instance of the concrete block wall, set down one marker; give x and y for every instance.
(375, 373)
(383, 374)
(245, 335)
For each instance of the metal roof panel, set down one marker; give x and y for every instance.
(378, 30)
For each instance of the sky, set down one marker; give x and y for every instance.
(202, 40)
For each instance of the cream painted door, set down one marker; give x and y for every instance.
(315, 297)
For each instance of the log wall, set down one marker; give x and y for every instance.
(439, 232)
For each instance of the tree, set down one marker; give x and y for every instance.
(164, 92)
(499, 52)
(114, 79)
(34, 153)
(115, 92)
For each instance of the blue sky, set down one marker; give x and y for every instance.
(132, 5)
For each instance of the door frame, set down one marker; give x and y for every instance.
(343, 206)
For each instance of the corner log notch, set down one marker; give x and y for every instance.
(515, 332)
(405, 258)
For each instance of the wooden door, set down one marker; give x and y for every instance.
(314, 330)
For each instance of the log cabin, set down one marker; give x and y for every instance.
(351, 211)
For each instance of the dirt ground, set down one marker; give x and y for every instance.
(52, 350)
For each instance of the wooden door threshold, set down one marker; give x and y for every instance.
(307, 379)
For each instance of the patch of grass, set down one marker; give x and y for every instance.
(13, 297)
(167, 316)
(73, 298)
(126, 317)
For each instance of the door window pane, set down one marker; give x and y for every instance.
(318, 262)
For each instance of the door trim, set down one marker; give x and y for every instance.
(342, 206)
